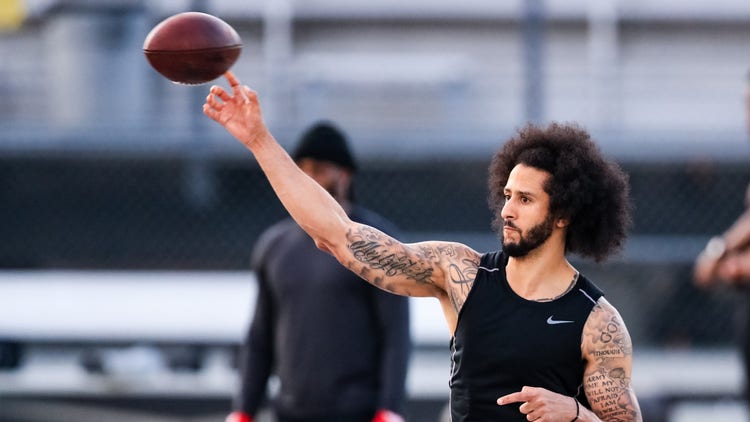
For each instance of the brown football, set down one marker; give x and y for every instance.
(192, 48)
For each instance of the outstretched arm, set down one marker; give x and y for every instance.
(408, 269)
(307, 202)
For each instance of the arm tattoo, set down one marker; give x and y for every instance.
(462, 273)
(382, 260)
(607, 378)
(381, 253)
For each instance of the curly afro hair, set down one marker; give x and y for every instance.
(590, 191)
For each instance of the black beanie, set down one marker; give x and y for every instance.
(325, 142)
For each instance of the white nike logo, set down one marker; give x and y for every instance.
(551, 321)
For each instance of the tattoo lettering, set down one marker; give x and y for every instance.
(609, 392)
(380, 253)
(607, 381)
(386, 263)
(371, 253)
(611, 337)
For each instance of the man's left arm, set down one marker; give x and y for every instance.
(608, 351)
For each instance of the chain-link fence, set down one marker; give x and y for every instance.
(104, 165)
(130, 214)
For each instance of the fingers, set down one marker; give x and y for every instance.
(217, 91)
(213, 106)
(527, 408)
(249, 93)
(736, 267)
(239, 90)
(221, 105)
(527, 397)
(704, 271)
(732, 268)
(212, 100)
(210, 112)
(233, 81)
(516, 397)
(526, 394)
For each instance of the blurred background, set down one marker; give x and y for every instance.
(127, 217)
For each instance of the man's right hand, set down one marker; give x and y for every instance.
(238, 417)
(239, 111)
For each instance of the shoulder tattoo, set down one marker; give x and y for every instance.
(462, 270)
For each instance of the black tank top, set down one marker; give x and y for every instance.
(504, 342)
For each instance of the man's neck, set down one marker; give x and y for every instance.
(542, 274)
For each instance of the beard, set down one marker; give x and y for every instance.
(535, 237)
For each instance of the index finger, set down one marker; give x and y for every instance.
(233, 81)
(235, 84)
(517, 397)
(736, 267)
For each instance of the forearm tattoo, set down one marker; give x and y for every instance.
(608, 385)
(383, 258)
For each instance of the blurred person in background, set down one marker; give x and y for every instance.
(532, 338)
(339, 347)
(725, 261)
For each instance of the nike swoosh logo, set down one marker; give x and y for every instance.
(551, 321)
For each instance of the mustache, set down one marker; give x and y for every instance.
(510, 225)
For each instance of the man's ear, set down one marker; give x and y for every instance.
(562, 222)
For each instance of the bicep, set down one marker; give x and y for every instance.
(409, 269)
(608, 351)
